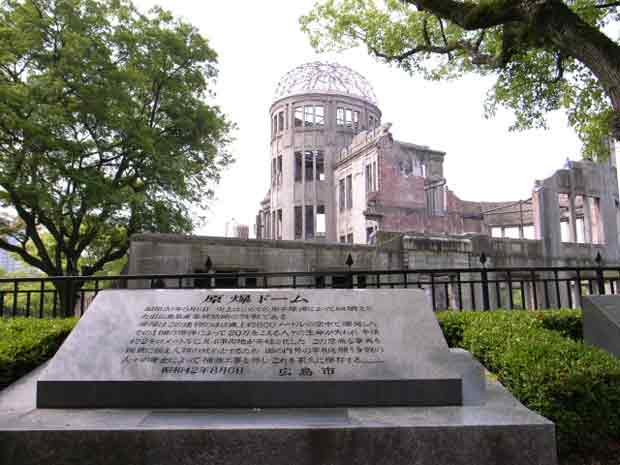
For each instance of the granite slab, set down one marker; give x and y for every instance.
(253, 348)
(499, 432)
(601, 322)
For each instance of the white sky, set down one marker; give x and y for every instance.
(258, 42)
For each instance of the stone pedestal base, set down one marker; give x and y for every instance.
(499, 432)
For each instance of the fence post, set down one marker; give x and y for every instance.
(349, 263)
(208, 272)
(15, 293)
(69, 303)
(600, 279)
(434, 303)
(485, 283)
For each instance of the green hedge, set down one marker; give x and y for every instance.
(565, 321)
(25, 343)
(572, 384)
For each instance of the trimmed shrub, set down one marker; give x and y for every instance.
(453, 324)
(574, 385)
(25, 343)
(565, 321)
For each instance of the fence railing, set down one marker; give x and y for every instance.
(448, 289)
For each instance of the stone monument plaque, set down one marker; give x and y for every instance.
(601, 322)
(175, 348)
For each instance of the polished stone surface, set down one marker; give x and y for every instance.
(500, 432)
(255, 348)
(601, 322)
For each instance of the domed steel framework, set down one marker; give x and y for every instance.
(324, 77)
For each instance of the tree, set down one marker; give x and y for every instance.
(546, 54)
(105, 129)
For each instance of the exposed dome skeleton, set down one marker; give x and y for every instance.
(325, 77)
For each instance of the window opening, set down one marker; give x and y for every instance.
(368, 176)
(348, 118)
(369, 234)
(341, 195)
(417, 168)
(356, 120)
(279, 170)
(298, 166)
(279, 226)
(298, 222)
(308, 116)
(430, 201)
(309, 222)
(564, 231)
(375, 182)
(319, 116)
(281, 121)
(274, 174)
(340, 116)
(299, 117)
(309, 165)
(320, 221)
(528, 232)
(320, 166)
(512, 232)
(343, 239)
(350, 238)
(349, 191)
(597, 233)
(406, 167)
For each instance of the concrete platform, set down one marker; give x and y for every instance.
(500, 432)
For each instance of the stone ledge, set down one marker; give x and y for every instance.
(500, 432)
(154, 238)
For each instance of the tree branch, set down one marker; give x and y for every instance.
(443, 32)
(25, 256)
(608, 5)
(470, 15)
(559, 64)
(477, 58)
(109, 256)
(44, 262)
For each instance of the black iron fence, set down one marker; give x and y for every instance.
(447, 289)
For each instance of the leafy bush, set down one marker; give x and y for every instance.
(25, 343)
(453, 324)
(574, 385)
(566, 321)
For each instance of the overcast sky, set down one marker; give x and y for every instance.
(258, 42)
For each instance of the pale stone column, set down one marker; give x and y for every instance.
(572, 231)
(587, 220)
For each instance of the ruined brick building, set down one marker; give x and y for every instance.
(341, 185)
(338, 175)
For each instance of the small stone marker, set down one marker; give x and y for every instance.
(601, 322)
(253, 348)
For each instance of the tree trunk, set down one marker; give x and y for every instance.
(567, 32)
(68, 297)
(69, 293)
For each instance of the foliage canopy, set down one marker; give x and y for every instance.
(546, 54)
(105, 129)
